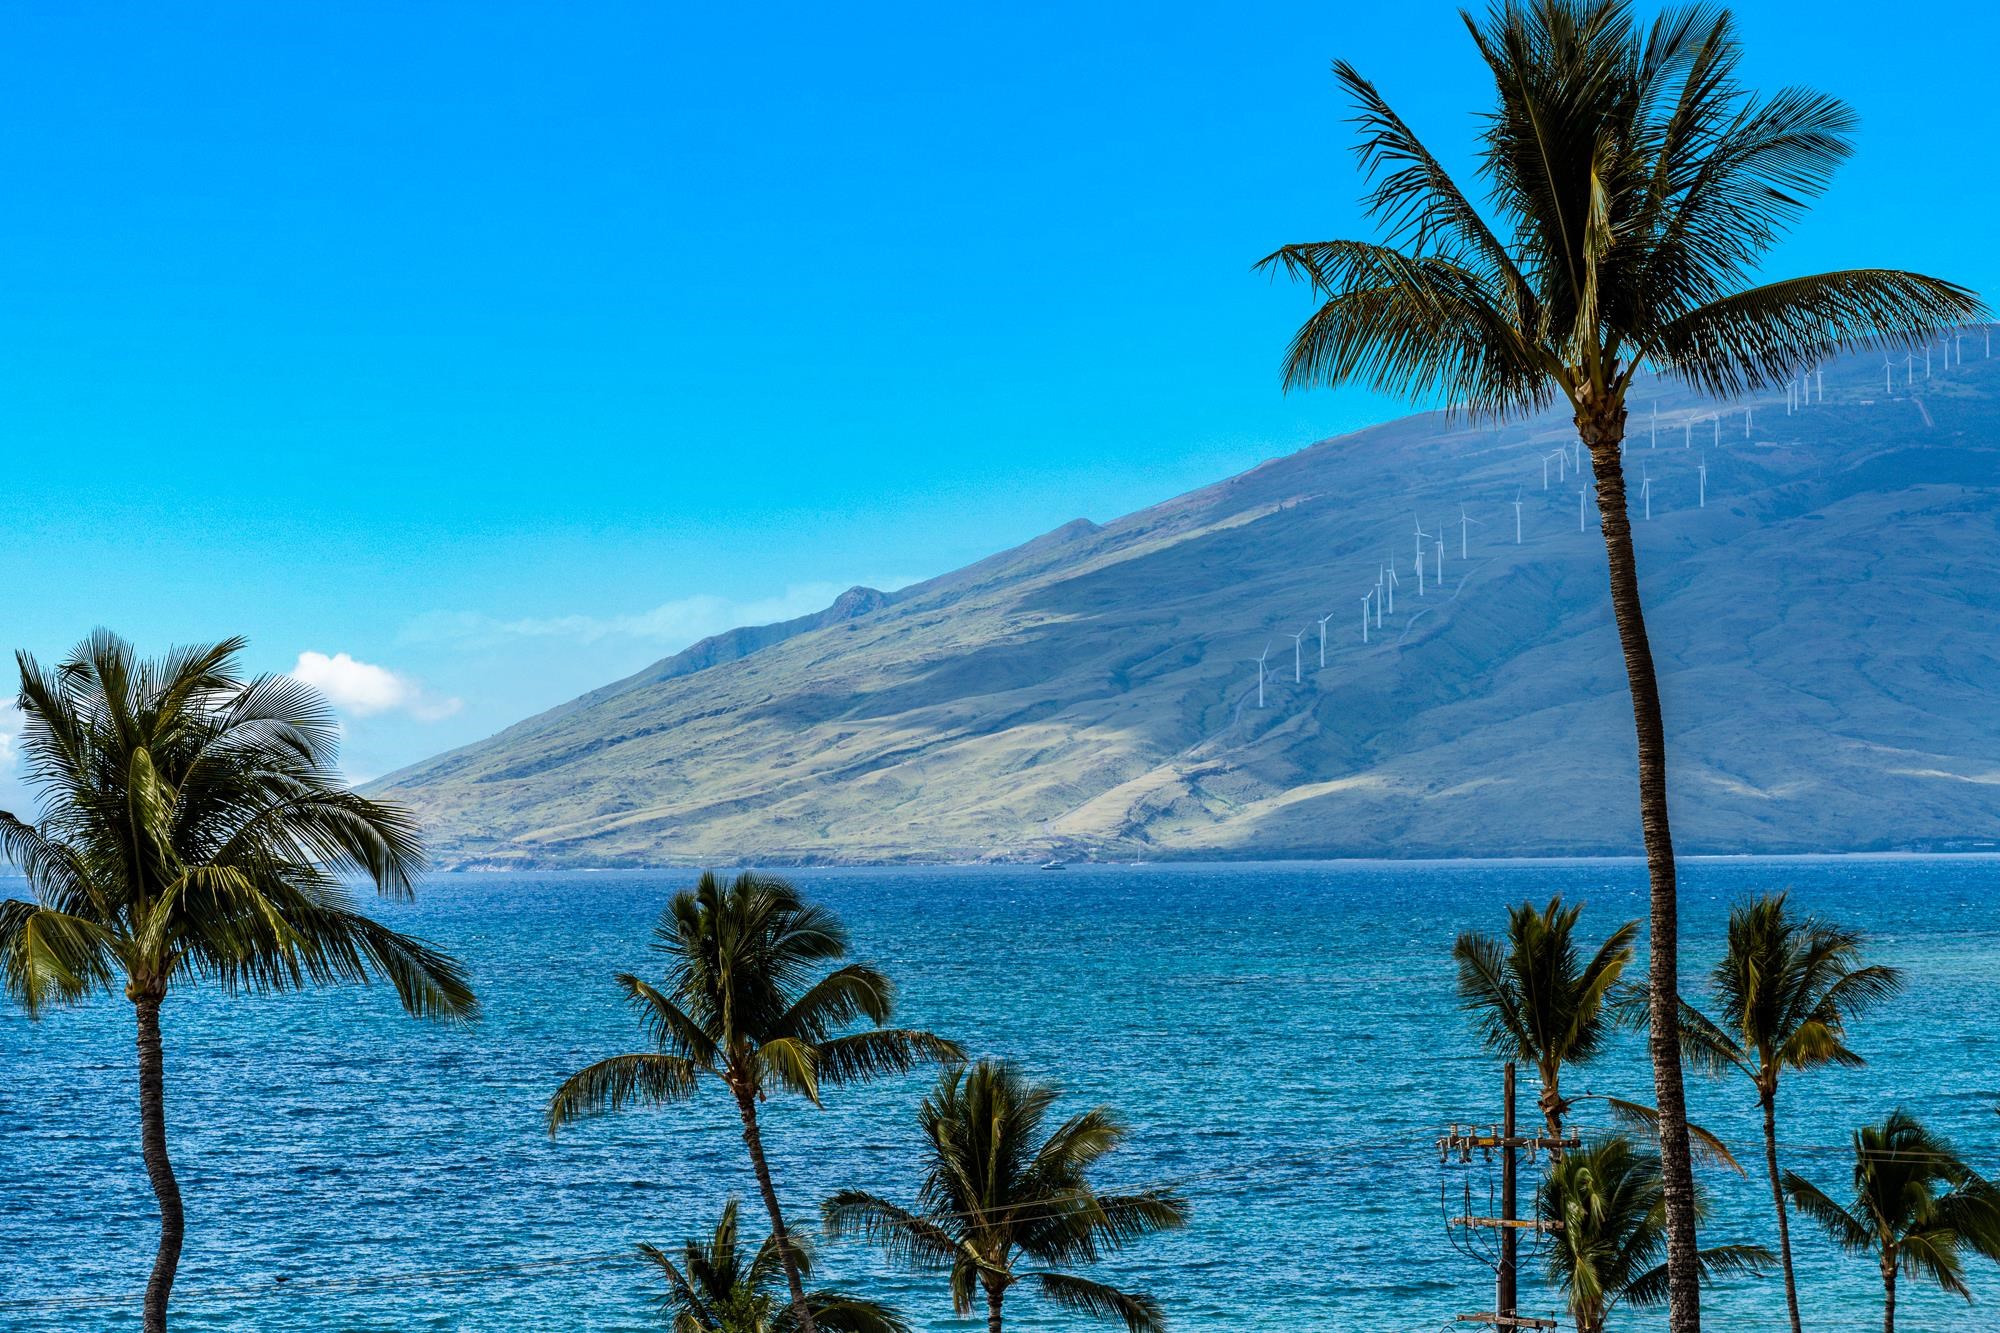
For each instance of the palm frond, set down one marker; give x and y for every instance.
(1717, 1261)
(670, 1028)
(1809, 1201)
(855, 991)
(683, 1293)
(838, 1312)
(861, 1056)
(1705, 1145)
(1418, 325)
(1139, 1313)
(48, 957)
(647, 1079)
(909, 1240)
(1707, 1046)
(1763, 336)
(1933, 1254)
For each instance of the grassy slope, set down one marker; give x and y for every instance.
(1826, 630)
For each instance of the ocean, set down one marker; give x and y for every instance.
(1283, 1041)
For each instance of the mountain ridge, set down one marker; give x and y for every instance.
(1824, 629)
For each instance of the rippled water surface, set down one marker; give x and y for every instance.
(1282, 1039)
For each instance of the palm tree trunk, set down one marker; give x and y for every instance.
(153, 1145)
(1663, 928)
(1770, 1099)
(1888, 1296)
(994, 1295)
(746, 1104)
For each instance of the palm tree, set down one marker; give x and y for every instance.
(1916, 1205)
(1784, 992)
(194, 829)
(999, 1190)
(1635, 186)
(1536, 1001)
(743, 1002)
(712, 1290)
(1605, 1208)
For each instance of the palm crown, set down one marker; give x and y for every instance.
(712, 1289)
(743, 1000)
(194, 828)
(1916, 1206)
(1633, 187)
(1534, 997)
(998, 1189)
(1784, 992)
(1606, 1204)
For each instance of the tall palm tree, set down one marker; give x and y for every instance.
(1634, 188)
(1536, 1001)
(999, 1191)
(712, 1290)
(1916, 1206)
(194, 829)
(744, 1002)
(1783, 994)
(1606, 1209)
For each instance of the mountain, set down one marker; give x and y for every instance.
(1826, 630)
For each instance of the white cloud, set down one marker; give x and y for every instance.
(364, 689)
(10, 732)
(670, 625)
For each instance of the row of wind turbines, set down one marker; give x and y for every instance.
(1380, 600)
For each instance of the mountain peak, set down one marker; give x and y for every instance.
(1094, 691)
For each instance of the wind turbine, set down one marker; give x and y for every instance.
(1716, 417)
(1517, 518)
(1464, 521)
(1365, 597)
(1439, 576)
(1580, 491)
(1819, 383)
(1687, 433)
(1260, 674)
(1391, 589)
(1421, 534)
(1927, 362)
(1702, 472)
(1298, 657)
(1888, 377)
(1322, 639)
(1746, 423)
(1646, 494)
(1562, 466)
(1420, 573)
(1909, 370)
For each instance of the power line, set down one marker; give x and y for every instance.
(1282, 1164)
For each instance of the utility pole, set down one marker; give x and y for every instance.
(1506, 1138)
(1505, 1280)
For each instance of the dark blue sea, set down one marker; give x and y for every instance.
(1283, 1040)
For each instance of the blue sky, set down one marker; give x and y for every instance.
(484, 353)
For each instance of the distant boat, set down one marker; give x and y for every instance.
(1055, 865)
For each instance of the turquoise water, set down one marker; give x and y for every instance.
(1282, 1039)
